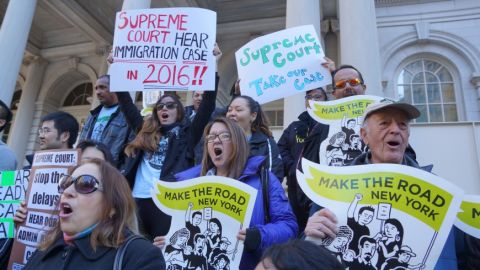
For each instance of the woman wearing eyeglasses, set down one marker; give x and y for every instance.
(249, 115)
(226, 154)
(97, 215)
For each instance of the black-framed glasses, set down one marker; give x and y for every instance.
(83, 184)
(168, 105)
(351, 82)
(43, 131)
(224, 137)
(319, 97)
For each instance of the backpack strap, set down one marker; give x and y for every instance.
(117, 264)
(264, 178)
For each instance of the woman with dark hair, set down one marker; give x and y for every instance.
(96, 217)
(249, 115)
(298, 255)
(390, 242)
(213, 234)
(92, 149)
(164, 145)
(226, 154)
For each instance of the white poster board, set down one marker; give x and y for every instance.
(164, 49)
(282, 64)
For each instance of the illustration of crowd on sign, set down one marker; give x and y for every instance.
(359, 247)
(346, 144)
(200, 244)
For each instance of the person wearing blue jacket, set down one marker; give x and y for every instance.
(226, 153)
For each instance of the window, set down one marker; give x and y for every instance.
(275, 117)
(429, 86)
(80, 95)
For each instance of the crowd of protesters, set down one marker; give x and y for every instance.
(106, 202)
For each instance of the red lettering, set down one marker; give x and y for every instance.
(123, 24)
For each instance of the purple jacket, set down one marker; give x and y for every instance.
(283, 225)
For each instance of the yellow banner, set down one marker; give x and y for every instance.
(337, 111)
(470, 214)
(409, 194)
(223, 198)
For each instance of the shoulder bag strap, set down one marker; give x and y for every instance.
(117, 264)
(264, 178)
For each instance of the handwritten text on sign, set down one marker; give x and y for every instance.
(167, 49)
(281, 64)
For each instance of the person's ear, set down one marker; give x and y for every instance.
(363, 135)
(65, 136)
(253, 116)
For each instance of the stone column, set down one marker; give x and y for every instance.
(22, 125)
(299, 12)
(13, 40)
(359, 41)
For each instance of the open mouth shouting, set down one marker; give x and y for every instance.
(65, 210)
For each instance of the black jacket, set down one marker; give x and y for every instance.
(140, 255)
(116, 135)
(180, 152)
(291, 145)
(262, 145)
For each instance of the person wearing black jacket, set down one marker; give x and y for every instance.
(164, 146)
(290, 145)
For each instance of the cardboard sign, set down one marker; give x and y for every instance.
(164, 49)
(468, 219)
(13, 186)
(207, 213)
(420, 206)
(42, 201)
(282, 64)
(345, 117)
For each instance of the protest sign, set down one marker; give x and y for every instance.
(13, 185)
(207, 213)
(164, 49)
(468, 219)
(384, 210)
(282, 64)
(344, 118)
(42, 199)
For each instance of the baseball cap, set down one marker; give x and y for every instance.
(385, 103)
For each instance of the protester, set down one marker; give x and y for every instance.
(290, 146)
(8, 161)
(107, 123)
(298, 255)
(249, 115)
(164, 145)
(226, 154)
(97, 216)
(58, 130)
(91, 149)
(386, 130)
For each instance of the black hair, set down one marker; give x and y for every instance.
(261, 122)
(63, 122)
(5, 114)
(82, 145)
(106, 76)
(301, 255)
(345, 67)
(366, 238)
(198, 235)
(196, 213)
(364, 208)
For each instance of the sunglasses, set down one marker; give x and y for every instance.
(224, 137)
(168, 105)
(351, 82)
(83, 184)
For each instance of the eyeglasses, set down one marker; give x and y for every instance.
(84, 184)
(224, 137)
(315, 97)
(351, 82)
(42, 131)
(168, 105)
